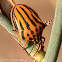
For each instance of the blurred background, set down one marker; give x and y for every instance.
(10, 49)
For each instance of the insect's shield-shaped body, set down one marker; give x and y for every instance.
(27, 23)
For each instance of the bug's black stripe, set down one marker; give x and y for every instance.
(36, 29)
(35, 40)
(30, 38)
(21, 25)
(32, 10)
(27, 34)
(33, 35)
(15, 25)
(12, 12)
(23, 19)
(38, 38)
(32, 32)
(28, 17)
(14, 20)
(40, 32)
(23, 35)
(15, 16)
(38, 21)
(41, 39)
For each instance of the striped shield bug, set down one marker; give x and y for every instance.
(27, 24)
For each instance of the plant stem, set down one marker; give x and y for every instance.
(56, 36)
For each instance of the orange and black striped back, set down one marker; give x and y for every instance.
(26, 21)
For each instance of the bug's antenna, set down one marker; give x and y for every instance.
(48, 22)
(12, 2)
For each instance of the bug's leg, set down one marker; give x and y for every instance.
(14, 28)
(39, 47)
(35, 41)
(41, 44)
(25, 44)
(43, 40)
(48, 22)
(38, 38)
